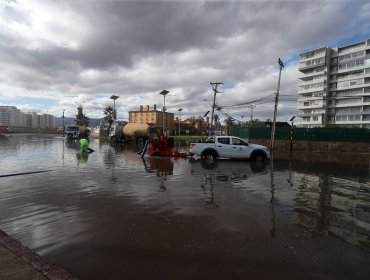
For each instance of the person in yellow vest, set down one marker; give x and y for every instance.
(84, 146)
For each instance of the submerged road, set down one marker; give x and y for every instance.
(113, 215)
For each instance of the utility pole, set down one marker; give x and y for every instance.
(215, 89)
(180, 121)
(276, 105)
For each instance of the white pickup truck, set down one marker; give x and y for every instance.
(229, 147)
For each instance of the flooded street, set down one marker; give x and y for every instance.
(113, 215)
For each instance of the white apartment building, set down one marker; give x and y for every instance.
(334, 86)
(12, 116)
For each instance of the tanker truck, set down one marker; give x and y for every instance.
(137, 132)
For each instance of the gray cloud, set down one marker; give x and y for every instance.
(135, 49)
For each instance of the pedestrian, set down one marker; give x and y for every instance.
(84, 146)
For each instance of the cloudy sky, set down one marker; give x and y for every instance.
(56, 55)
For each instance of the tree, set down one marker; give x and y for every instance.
(110, 116)
(81, 118)
(217, 121)
(192, 123)
(229, 121)
(200, 125)
(255, 123)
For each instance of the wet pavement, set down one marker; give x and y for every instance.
(112, 215)
(18, 262)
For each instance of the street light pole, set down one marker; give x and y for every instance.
(114, 97)
(180, 121)
(164, 93)
(63, 122)
(291, 134)
(276, 105)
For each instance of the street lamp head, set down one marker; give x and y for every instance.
(114, 97)
(280, 63)
(164, 92)
(292, 118)
(180, 109)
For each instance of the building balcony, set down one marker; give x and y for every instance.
(309, 98)
(309, 82)
(304, 67)
(349, 87)
(303, 107)
(321, 88)
(351, 49)
(313, 54)
(301, 115)
(310, 123)
(303, 76)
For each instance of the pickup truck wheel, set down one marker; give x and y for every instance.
(258, 157)
(209, 156)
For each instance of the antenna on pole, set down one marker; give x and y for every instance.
(215, 86)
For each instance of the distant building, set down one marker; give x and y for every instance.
(47, 121)
(152, 116)
(335, 86)
(36, 119)
(12, 116)
(28, 120)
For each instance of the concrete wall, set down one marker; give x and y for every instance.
(316, 146)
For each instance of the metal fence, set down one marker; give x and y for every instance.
(360, 135)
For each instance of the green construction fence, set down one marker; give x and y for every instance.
(360, 135)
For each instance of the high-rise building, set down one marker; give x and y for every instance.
(12, 116)
(334, 86)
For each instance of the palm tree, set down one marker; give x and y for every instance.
(81, 118)
(110, 116)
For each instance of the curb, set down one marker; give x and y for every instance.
(49, 270)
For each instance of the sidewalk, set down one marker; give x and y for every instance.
(18, 262)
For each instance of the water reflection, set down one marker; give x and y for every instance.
(82, 157)
(207, 187)
(162, 167)
(331, 205)
(330, 198)
(117, 208)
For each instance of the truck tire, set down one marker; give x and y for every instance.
(209, 156)
(258, 156)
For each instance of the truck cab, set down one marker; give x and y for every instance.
(72, 132)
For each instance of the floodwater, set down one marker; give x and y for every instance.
(112, 215)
